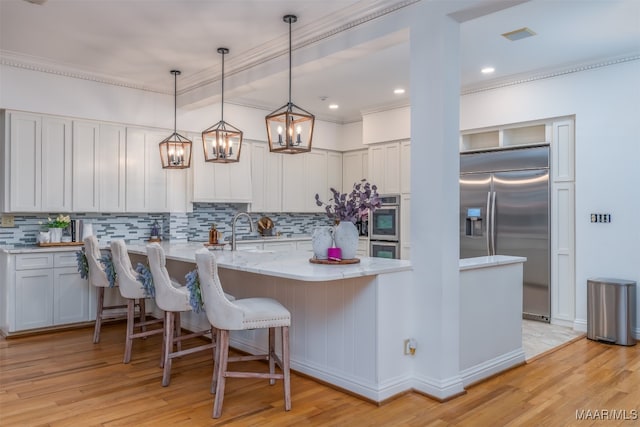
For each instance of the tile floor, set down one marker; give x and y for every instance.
(538, 337)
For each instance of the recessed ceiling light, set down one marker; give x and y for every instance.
(487, 70)
(519, 34)
(398, 91)
(333, 106)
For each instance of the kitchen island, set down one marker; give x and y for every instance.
(348, 322)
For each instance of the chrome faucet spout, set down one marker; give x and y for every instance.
(233, 227)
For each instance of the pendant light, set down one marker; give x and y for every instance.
(175, 150)
(222, 142)
(290, 128)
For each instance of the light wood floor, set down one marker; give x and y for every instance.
(62, 379)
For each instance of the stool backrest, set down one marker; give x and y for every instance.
(97, 275)
(128, 283)
(222, 313)
(167, 296)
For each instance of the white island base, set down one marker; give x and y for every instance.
(490, 316)
(349, 322)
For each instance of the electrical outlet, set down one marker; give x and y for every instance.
(8, 221)
(410, 347)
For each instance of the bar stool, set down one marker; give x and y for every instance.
(131, 289)
(173, 299)
(238, 315)
(98, 278)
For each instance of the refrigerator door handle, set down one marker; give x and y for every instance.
(489, 216)
(493, 223)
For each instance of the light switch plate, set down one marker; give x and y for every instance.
(7, 221)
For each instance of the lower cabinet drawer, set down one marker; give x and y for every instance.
(32, 261)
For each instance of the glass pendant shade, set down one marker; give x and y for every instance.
(222, 142)
(175, 150)
(290, 128)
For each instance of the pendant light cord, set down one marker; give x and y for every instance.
(289, 61)
(222, 106)
(175, 102)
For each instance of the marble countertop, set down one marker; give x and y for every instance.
(489, 261)
(287, 264)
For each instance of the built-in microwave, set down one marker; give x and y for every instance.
(384, 222)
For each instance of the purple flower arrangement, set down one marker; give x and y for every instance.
(352, 206)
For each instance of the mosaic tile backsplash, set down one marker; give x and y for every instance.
(176, 226)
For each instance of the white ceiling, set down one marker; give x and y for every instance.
(136, 42)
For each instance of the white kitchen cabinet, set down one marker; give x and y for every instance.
(304, 176)
(148, 185)
(37, 167)
(111, 153)
(222, 182)
(42, 289)
(405, 226)
(363, 247)
(56, 164)
(70, 291)
(33, 299)
(334, 174)
(405, 167)
(86, 166)
(304, 245)
(315, 178)
(266, 179)
(294, 188)
(354, 168)
(384, 167)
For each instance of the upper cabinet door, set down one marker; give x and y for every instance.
(315, 178)
(112, 168)
(56, 165)
(86, 167)
(157, 190)
(334, 174)
(135, 171)
(24, 169)
(405, 167)
(293, 182)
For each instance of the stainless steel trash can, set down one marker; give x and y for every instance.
(611, 310)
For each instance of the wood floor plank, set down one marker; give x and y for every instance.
(63, 379)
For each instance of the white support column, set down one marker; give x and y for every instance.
(435, 90)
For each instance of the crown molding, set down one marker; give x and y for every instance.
(546, 74)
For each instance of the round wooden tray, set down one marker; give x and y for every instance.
(332, 262)
(214, 245)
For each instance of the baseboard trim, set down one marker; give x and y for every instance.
(492, 367)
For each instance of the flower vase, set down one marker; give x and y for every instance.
(321, 241)
(346, 237)
(55, 235)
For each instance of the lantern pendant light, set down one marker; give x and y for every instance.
(175, 150)
(222, 142)
(290, 128)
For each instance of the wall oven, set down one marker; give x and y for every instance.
(385, 221)
(384, 228)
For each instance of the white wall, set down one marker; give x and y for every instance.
(351, 136)
(389, 125)
(40, 92)
(606, 105)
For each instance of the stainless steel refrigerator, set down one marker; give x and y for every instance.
(504, 210)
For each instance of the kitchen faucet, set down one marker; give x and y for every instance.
(233, 228)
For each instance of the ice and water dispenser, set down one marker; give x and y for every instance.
(474, 222)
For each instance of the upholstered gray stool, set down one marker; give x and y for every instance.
(98, 278)
(131, 289)
(173, 299)
(238, 315)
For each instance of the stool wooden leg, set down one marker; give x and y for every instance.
(168, 347)
(285, 368)
(100, 304)
(131, 319)
(143, 314)
(164, 340)
(272, 360)
(222, 370)
(178, 328)
(216, 361)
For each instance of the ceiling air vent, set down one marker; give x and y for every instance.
(519, 34)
